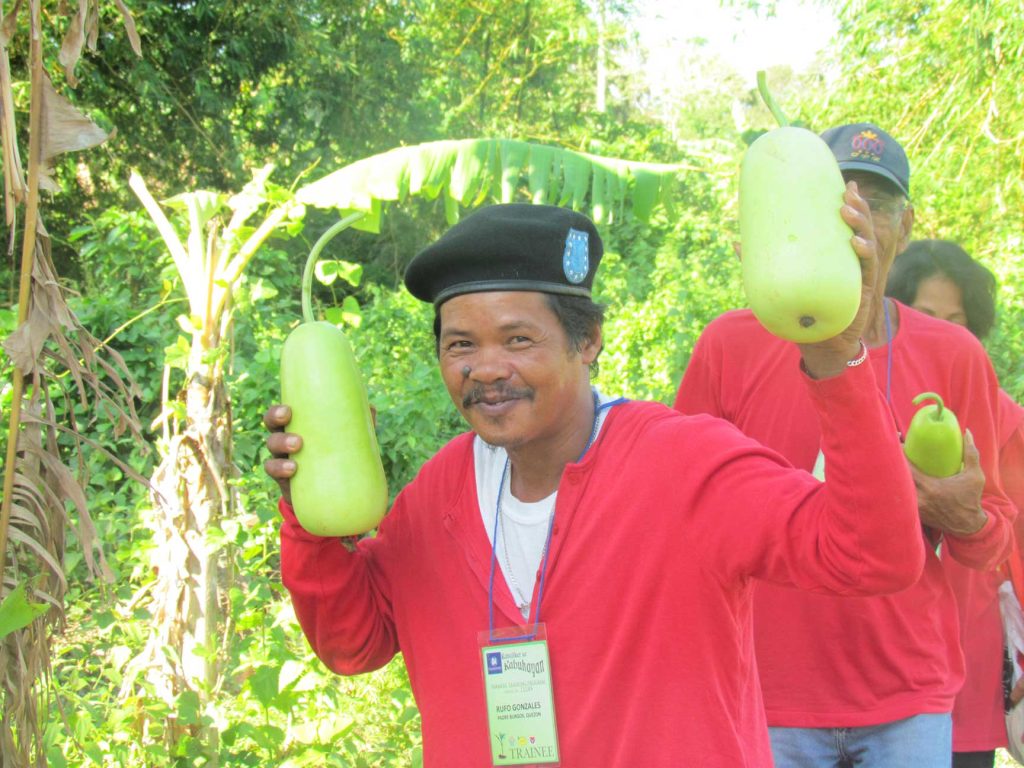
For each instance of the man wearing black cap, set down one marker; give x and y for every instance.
(570, 581)
(868, 681)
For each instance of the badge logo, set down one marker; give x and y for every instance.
(867, 146)
(576, 257)
(494, 663)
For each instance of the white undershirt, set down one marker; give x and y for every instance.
(525, 524)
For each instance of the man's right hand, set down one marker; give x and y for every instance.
(281, 445)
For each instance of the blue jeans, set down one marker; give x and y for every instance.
(922, 741)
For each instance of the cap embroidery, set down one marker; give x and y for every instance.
(867, 146)
(576, 257)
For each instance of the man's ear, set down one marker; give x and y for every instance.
(591, 346)
(906, 226)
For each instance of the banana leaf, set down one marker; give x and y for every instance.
(539, 172)
(469, 172)
(514, 157)
(575, 180)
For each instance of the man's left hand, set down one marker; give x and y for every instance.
(953, 504)
(829, 357)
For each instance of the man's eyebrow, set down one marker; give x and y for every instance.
(512, 325)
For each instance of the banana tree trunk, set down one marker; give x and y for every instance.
(192, 496)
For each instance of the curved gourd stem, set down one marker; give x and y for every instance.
(939, 405)
(314, 254)
(769, 100)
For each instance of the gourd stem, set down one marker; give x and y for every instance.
(769, 100)
(314, 254)
(939, 405)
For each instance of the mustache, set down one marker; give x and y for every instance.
(480, 394)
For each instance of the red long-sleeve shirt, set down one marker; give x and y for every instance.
(832, 662)
(658, 533)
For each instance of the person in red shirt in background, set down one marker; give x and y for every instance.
(940, 278)
(617, 540)
(865, 681)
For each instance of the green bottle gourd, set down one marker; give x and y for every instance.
(801, 276)
(339, 487)
(934, 443)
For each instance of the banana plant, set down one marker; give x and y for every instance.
(192, 488)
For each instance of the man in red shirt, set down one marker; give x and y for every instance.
(571, 580)
(866, 681)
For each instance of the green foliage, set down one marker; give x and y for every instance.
(128, 291)
(278, 706)
(17, 611)
(662, 284)
(221, 88)
(960, 118)
(493, 64)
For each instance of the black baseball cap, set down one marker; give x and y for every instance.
(509, 247)
(866, 147)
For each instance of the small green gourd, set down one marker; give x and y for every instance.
(934, 443)
(339, 487)
(801, 276)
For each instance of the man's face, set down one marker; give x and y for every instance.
(524, 379)
(891, 215)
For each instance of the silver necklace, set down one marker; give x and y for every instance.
(522, 601)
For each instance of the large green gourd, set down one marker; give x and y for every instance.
(339, 487)
(801, 276)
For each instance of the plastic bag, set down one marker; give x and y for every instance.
(1013, 632)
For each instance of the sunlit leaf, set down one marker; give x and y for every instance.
(645, 192)
(16, 612)
(329, 270)
(264, 684)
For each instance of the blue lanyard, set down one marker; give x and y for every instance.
(888, 371)
(598, 407)
(888, 361)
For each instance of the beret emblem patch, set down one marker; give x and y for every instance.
(576, 257)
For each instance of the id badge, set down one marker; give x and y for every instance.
(519, 696)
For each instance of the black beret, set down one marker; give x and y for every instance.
(511, 247)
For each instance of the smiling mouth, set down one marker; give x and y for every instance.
(494, 398)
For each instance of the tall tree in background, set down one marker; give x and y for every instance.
(496, 64)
